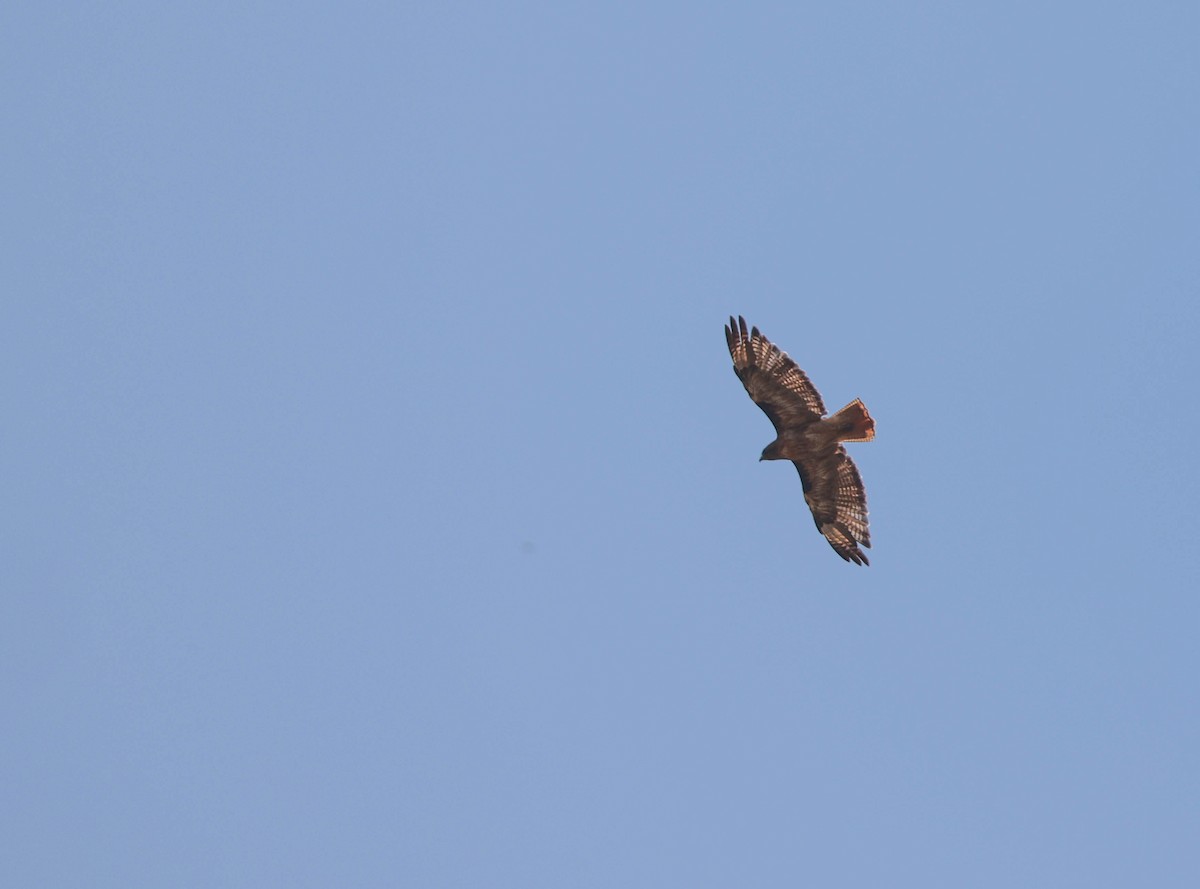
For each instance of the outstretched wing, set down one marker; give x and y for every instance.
(776, 384)
(834, 492)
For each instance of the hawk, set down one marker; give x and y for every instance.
(833, 489)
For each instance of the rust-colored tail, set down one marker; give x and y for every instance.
(853, 423)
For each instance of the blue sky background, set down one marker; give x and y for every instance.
(380, 507)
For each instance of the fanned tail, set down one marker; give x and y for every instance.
(853, 423)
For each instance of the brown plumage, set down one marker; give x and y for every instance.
(833, 488)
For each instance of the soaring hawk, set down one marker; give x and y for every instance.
(833, 489)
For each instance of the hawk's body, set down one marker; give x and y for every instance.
(833, 488)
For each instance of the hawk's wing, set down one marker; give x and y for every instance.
(834, 492)
(776, 384)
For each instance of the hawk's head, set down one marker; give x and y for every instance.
(773, 451)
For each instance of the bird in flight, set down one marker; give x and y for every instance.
(833, 489)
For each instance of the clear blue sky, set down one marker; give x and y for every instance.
(380, 507)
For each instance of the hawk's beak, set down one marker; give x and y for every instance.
(760, 459)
